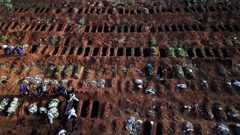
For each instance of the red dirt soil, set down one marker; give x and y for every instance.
(116, 47)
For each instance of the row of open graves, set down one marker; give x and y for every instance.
(124, 28)
(216, 112)
(161, 70)
(96, 109)
(90, 9)
(130, 52)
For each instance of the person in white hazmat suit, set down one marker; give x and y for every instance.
(50, 117)
(72, 112)
(72, 97)
(62, 132)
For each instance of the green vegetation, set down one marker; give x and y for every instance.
(170, 52)
(68, 69)
(153, 50)
(58, 69)
(7, 4)
(232, 42)
(177, 49)
(126, 3)
(181, 52)
(233, 113)
(152, 42)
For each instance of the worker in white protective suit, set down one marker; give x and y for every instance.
(62, 132)
(72, 112)
(50, 117)
(72, 97)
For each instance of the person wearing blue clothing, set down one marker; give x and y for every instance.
(19, 50)
(44, 88)
(21, 89)
(9, 49)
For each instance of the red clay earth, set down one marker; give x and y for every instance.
(116, 47)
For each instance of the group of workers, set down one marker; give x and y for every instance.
(38, 90)
(41, 90)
